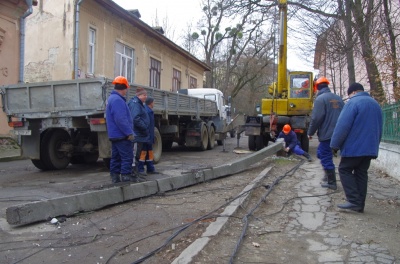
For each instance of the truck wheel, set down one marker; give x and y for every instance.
(259, 142)
(252, 143)
(211, 138)
(304, 142)
(52, 157)
(39, 164)
(157, 146)
(107, 162)
(203, 137)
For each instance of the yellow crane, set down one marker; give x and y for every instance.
(291, 102)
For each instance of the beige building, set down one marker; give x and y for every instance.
(71, 39)
(11, 12)
(97, 38)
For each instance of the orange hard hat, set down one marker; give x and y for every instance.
(286, 129)
(121, 80)
(305, 84)
(322, 79)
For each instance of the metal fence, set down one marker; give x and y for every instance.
(391, 123)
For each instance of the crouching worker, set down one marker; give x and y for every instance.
(291, 142)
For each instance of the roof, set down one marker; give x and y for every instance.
(135, 21)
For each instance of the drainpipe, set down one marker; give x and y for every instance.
(22, 40)
(76, 49)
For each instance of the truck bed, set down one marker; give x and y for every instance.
(85, 97)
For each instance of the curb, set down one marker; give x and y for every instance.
(214, 228)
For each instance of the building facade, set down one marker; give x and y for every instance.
(11, 12)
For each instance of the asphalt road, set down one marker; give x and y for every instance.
(297, 222)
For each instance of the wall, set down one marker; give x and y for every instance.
(10, 12)
(388, 160)
(50, 56)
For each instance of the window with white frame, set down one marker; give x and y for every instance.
(155, 73)
(176, 80)
(92, 45)
(124, 57)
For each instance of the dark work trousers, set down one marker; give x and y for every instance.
(324, 153)
(353, 173)
(121, 157)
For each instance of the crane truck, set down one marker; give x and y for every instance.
(63, 122)
(290, 102)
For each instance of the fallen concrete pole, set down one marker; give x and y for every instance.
(69, 205)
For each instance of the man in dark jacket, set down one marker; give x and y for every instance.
(149, 145)
(120, 132)
(326, 111)
(357, 134)
(141, 126)
(291, 142)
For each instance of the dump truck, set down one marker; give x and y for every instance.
(63, 122)
(290, 100)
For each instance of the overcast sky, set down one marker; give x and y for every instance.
(181, 13)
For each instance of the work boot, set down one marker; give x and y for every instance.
(307, 156)
(140, 169)
(126, 177)
(137, 179)
(331, 184)
(115, 178)
(324, 179)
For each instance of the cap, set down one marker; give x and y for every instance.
(354, 87)
(140, 91)
(286, 129)
(149, 100)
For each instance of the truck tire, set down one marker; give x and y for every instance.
(51, 156)
(203, 137)
(259, 142)
(304, 141)
(107, 162)
(252, 143)
(39, 164)
(211, 137)
(157, 146)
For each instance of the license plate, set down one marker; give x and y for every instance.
(22, 132)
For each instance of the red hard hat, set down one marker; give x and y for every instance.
(322, 79)
(121, 80)
(286, 129)
(305, 84)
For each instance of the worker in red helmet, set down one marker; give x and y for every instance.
(120, 132)
(291, 142)
(325, 113)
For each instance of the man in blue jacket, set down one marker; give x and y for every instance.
(120, 132)
(149, 145)
(326, 111)
(141, 126)
(291, 142)
(357, 134)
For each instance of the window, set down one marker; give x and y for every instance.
(92, 43)
(193, 82)
(155, 73)
(124, 61)
(176, 80)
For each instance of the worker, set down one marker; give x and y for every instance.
(326, 111)
(149, 104)
(304, 90)
(120, 132)
(291, 142)
(357, 134)
(141, 126)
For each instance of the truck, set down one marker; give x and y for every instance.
(63, 122)
(290, 100)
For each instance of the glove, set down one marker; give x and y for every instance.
(334, 152)
(130, 138)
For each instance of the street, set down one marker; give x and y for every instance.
(297, 222)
